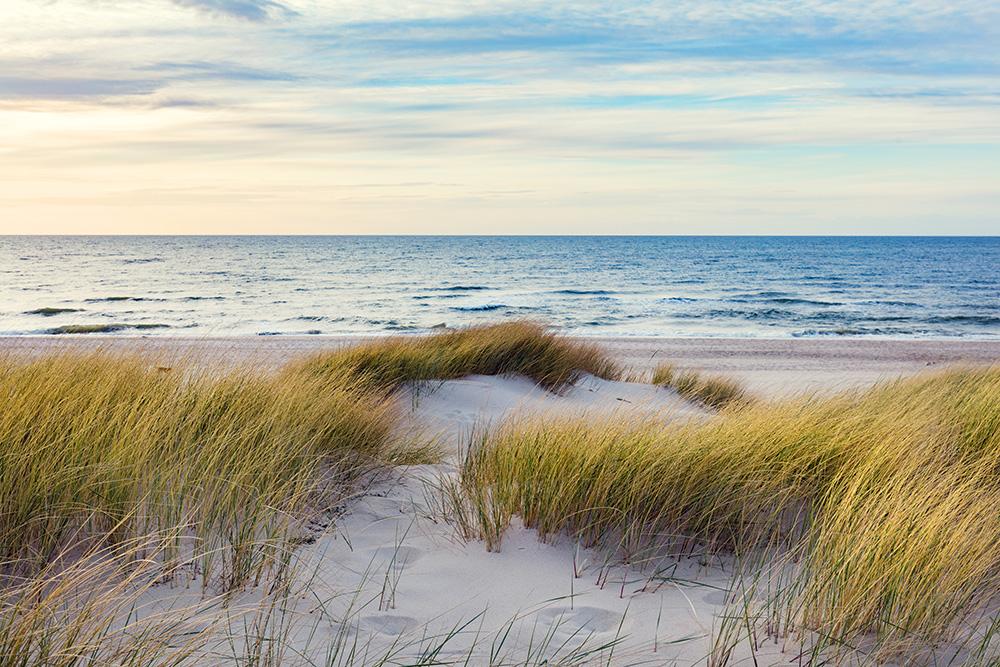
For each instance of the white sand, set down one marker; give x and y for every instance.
(527, 593)
(390, 577)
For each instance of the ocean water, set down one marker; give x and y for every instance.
(689, 286)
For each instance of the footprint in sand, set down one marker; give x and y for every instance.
(388, 624)
(400, 557)
(585, 619)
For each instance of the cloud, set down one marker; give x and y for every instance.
(250, 10)
(63, 88)
(204, 70)
(581, 97)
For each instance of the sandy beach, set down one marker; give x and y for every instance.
(390, 568)
(772, 366)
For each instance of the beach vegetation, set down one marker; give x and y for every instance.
(520, 347)
(118, 447)
(123, 472)
(868, 519)
(713, 391)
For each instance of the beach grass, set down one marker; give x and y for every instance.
(881, 504)
(865, 519)
(521, 347)
(117, 471)
(119, 447)
(713, 391)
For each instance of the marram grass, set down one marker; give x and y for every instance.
(710, 390)
(520, 347)
(885, 504)
(97, 443)
(117, 471)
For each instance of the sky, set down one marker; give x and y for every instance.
(499, 117)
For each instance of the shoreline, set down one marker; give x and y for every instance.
(769, 366)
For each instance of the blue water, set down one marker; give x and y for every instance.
(715, 286)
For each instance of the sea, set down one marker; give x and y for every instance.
(901, 287)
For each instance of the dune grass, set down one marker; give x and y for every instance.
(884, 504)
(118, 447)
(878, 508)
(117, 472)
(522, 347)
(710, 390)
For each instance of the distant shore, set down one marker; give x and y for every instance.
(768, 365)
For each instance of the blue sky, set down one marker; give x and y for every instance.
(267, 116)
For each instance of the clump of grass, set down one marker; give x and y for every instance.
(95, 444)
(521, 347)
(884, 502)
(713, 391)
(88, 612)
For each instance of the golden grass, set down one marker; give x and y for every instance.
(117, 472)
(97, 443)
(709, 390)
(85, 613)
(522, 347)
(885, 502)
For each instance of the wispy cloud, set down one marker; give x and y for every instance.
(55, 88)
(250, 10)
(589, 106)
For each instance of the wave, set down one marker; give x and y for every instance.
(459, 288)
(984, 320)
(582, 292)
(480, 309)
(142, 260)
(103, 328)
(391, 325)
(103, 299)
(308, 332)
(731, 313)
(880, 302)
(49, 312)
(766, 294)
(780, 297)
(807, 302)
(449, 295)
(203, 298)
(854, 331)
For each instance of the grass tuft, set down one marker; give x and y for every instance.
(883, 503)
(95, 443)
(522, 347)
(711, 391)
